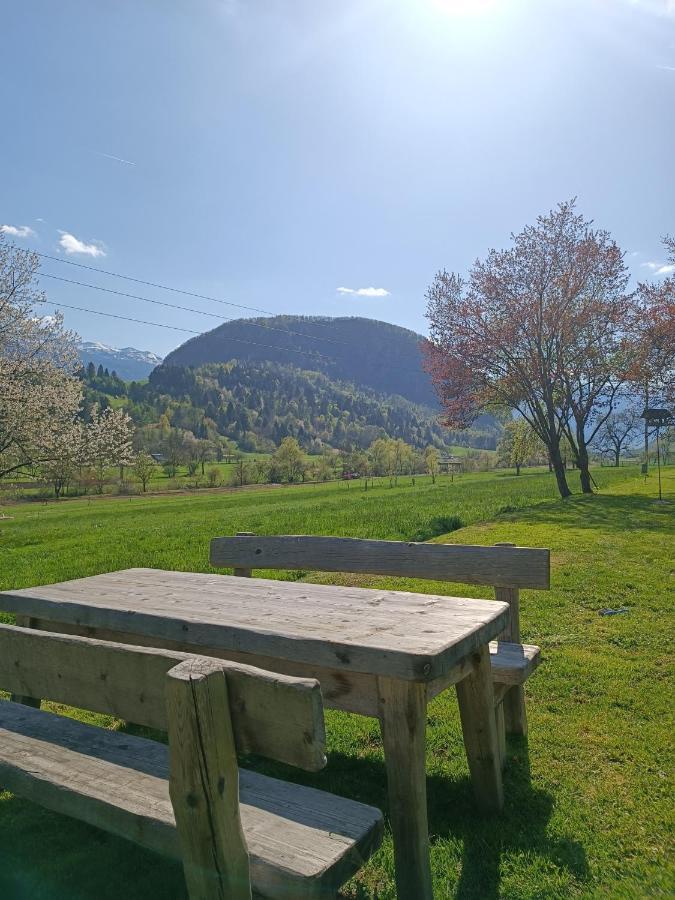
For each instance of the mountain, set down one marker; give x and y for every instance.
(129, 363)
(375, 355)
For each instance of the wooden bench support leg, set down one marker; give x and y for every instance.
(514, 702)
(403, 720)
(515, 717)
(477, 711)
(204, 783)
(501, 734)
(25, 622)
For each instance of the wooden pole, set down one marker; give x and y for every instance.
(646, 427)
(25, 622)
(515, 716)
(403, 720)
(245, 572)
(475, 694)
(204, 782)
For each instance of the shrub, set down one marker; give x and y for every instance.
(436, 526)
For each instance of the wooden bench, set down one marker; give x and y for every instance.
(505, 567)
(235, 831)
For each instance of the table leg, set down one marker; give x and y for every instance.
(25, 622)
(403, 720)
(477, 711)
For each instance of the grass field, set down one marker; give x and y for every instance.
(588, 796)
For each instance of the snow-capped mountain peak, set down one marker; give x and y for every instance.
(129, 363)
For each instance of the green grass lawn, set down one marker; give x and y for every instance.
(588, 796)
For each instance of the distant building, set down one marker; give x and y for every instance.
(450, 465)
(159, 458)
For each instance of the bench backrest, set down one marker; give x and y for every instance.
(277, 716)
(500, 565)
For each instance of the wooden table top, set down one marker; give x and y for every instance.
(415, 637)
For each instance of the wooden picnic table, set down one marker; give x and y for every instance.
(375, 652)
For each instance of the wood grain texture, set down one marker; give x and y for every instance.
(403, 720)
(510, 566)
(204, 782)
(512, 597)
(515, 715)
(349, 691)
(238, 570)
(476, 707)
(274, 715)
(501, 733)
(513, 663)
(302, 842)
(26, 699)
(416, 637)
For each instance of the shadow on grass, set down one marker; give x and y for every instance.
(611, 513)
(520, 829)
(93, 862)
(48, 856)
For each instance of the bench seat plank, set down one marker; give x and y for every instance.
(302, 842)
(513, 663)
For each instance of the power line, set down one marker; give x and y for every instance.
(191, 309)
(166, 287)
(70, 262)
(98, 312)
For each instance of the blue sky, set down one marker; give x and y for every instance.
(270, 152)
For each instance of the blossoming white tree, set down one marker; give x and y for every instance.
(40, 427)
(107, 442)
(39, 397)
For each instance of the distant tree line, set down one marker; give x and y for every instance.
(256, 405)
(391, 458)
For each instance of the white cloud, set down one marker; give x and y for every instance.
(71, 244)
(364, 292)
(659, 268)
(667, 68)
(18, 231)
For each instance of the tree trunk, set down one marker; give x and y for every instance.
(583, 462)
(646, 427)
(617, 454)
(559, 469)
(517, 468)
(585, 477)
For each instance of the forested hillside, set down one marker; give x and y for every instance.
(257, 405)
(377, 355)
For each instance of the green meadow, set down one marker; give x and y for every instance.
(588, 795)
